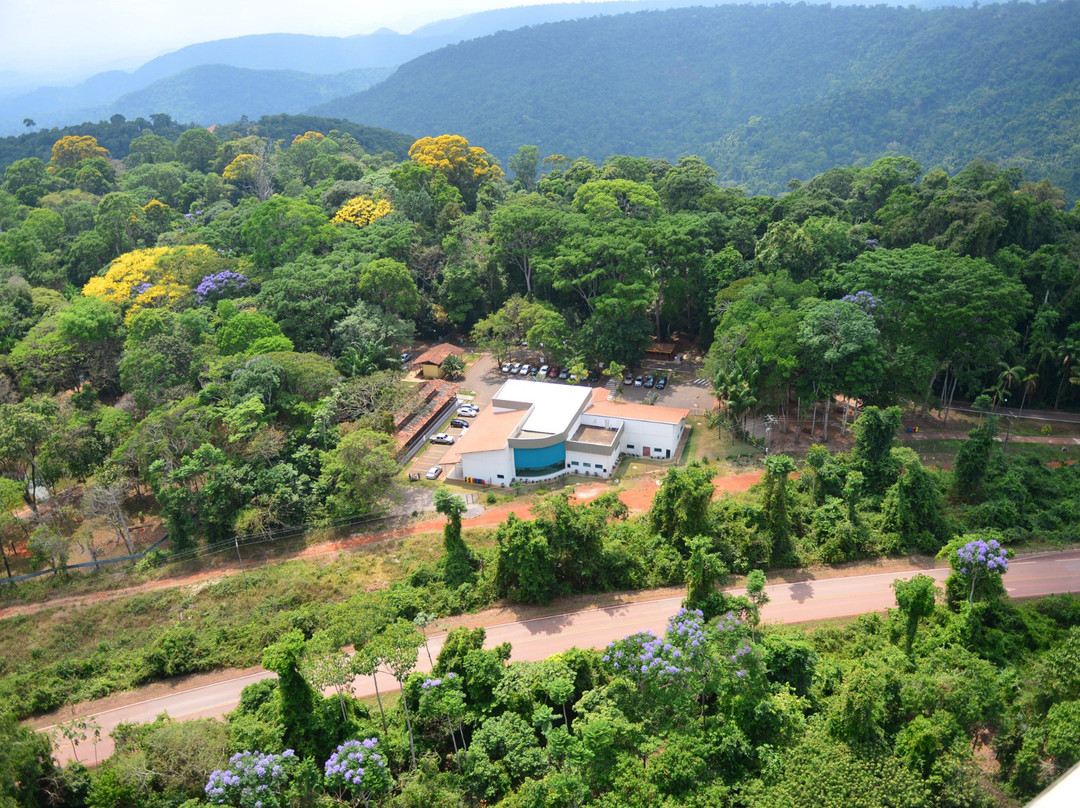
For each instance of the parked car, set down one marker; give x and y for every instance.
(534, 370)
(544, 370)
(553, 372)
(459, 423)
(514, 368)
(639, 381)
(572, 378)
(594, 375)
(442, 437)
(524, 370)
(628, 379)
(661, 383)
(564, 374)
(506, 367)
(405, 357)
(434, 472)
(649, 381)
(467, 411)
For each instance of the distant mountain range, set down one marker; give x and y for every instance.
(764, 93)
(165, 85)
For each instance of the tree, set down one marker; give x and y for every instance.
(357, 770)
(526, 166)
(279, 230)
(875, 430)
(356, 474)
(197, 149)
(362, 211)
(399, 648)
(105, 499)
(525, 571)
(460, 562)
(71, 150)
(680, 509)
(980, 563)
(775, 505)
(389, 284)
(915, 598)
(24, 431)
(465, 167)
(524, 231)
(296, 699)
(755, 590)
(453, 366)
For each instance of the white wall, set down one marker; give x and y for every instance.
(662, 439)
(487, 466)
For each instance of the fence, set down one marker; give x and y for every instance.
(388, 522)
(84, 564)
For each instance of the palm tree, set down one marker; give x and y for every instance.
(1030, 382)
(1008, 377)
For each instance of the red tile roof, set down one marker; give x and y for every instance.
(437, 353)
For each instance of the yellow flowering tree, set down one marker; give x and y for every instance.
(362, 211)
(314, 137)
(71, 150)
(158, 277)
(242, 169)
(465, 167)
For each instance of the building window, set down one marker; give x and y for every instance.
(587, 465)
(658, 451)
(629, 446)
(500, 477)
(573, 462)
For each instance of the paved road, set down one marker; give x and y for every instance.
(536, 639)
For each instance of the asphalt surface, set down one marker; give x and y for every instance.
(536, 639)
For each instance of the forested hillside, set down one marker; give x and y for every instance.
(218, 93)
(207, 334)
(765, 94)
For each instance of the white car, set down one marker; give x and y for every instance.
(544, 370)
(468, 411)
(506, 367)
(524, 370)
(434, 472)
(442, 437)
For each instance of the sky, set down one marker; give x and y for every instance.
(47, 39)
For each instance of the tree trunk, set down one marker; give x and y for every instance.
(929, 390)
(6, 567)
(378, 698)
(798, 420)
(813, 422)
(825, 427)
(408, 724)
(847, 411)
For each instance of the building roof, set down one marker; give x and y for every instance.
(437, 353)
(489, 432)
(634, 412)
(555, 406)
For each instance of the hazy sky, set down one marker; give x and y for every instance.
(47, 38)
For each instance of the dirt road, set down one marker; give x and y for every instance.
(533, 639)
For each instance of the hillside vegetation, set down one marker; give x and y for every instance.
(763, 93)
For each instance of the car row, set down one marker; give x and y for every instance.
(545, 371)
(645, 381)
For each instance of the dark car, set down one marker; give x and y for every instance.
(594, 375)
(460, 423)
(661, 383)
(534, 370)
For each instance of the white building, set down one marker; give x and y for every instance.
(535, 431)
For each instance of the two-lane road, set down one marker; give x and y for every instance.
(539, 638)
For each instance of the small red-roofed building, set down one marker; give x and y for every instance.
(534, 431)
(429, 362)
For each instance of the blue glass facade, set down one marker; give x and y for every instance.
(535, 459)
